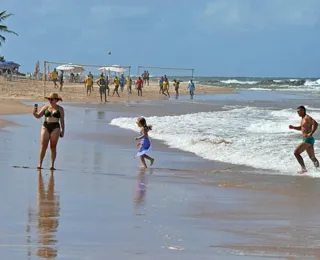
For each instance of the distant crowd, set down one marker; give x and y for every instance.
(104, 82)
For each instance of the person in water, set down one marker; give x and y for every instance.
(144, 144)
(308, 126)
(191, 88)
(53, 127)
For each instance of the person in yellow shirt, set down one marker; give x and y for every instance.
(129, 84)
(176, 85)
(89, 84)
(54, 76)
(116, 84)
(165, 88)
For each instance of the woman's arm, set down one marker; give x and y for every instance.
(62, 121)
(41, 113)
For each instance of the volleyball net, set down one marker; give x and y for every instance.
(156, 72)
(74, 74)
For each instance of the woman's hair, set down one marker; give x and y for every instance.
(143, 122)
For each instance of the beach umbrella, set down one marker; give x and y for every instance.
(71, 68)
(9, 65)
(113, 69)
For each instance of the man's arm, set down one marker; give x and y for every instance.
(298, 128)
(313, 123)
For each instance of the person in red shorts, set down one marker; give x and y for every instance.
(139, 84)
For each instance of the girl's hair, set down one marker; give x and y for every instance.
(143, 122)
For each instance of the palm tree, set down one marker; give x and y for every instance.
(3, 28)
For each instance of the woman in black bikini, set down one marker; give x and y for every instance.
(52, 129)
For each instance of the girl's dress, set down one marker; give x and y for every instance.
(145, 146)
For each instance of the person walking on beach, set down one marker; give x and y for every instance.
(116, 86)
(191, 88)
(102, 83)
(176, 85)
(129, 84)
(308, 126)
(53, 127)
(54, 76)
(122, 82)
(91, 76)
(139, 86)
(144, 144)
(61, 81)
(161, 85)
(89, 84)
(147, 77)
(165, 87)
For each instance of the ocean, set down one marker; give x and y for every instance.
(250, 129)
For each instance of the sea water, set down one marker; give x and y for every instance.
(243, 135)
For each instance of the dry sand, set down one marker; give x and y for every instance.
(34, 90)
(13, 92)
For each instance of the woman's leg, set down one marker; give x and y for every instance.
(45, 136)
(54, 138)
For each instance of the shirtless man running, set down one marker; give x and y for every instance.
(307, 126)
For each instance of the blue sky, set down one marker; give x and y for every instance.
(216, 37)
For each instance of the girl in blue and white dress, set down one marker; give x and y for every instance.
(144, 144)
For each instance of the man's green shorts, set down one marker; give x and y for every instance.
(308, 140)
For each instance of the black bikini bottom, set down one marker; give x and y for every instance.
(51, 126)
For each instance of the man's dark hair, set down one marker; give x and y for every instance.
(303, 108)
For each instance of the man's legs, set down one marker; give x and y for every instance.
(297, 153)
(310, 152)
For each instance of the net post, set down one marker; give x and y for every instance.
(127, 86)
(44, 78)
(192, 73)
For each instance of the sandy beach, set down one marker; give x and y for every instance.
(34, 90)
(98, 200)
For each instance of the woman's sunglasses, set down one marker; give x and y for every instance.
(51, 99)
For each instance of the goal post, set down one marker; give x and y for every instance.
(72, 81)
(157, 68)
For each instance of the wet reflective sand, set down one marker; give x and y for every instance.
(99, 204)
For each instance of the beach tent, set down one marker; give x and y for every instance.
(71, 68)
(9, 65)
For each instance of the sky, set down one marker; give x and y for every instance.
(230, 38)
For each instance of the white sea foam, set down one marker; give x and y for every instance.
(249, 136)
(234, 81)
(260, 89)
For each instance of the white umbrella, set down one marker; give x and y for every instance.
(113, 69)
(71, 68)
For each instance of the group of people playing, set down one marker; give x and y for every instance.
(164, 87)
(104, 83)
(54, 127)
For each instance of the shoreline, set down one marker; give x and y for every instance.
(14, 93)
(34, 90)
(182, 200)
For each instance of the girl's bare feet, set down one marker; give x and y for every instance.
(143, 167)
(39, 167)
(52, 168)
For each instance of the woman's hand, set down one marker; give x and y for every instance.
(61, 134)
(136, 138)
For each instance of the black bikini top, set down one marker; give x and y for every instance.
(55, 113)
